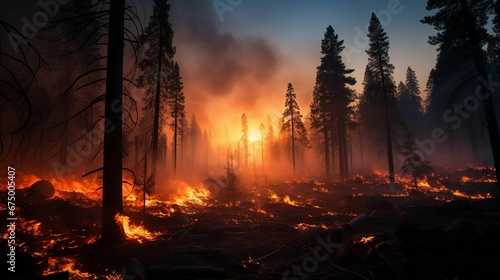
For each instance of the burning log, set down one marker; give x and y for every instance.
(197, 272)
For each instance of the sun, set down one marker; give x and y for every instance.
(254, 136)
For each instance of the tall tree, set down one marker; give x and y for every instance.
(156, 67)
(292, 121)
(177, 108)
(462, 24)
(331, 99)
(112, 204)
(410, 102)
(244, 138)
(380, 66)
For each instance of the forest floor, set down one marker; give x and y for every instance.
(447, 229)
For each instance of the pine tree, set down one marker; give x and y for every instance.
(410, 102)
(176, 105)
(461, 24)
(292, 121)
(244, 138)
(382, 70)
(156, 67)
(331, 99)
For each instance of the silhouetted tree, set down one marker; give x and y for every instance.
(331, 98)
(112, 204)
(461, 24)
(292, 121)
(381, 70)
(156, 67)
(176, 103)
(410, 102)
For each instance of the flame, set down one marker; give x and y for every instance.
(287, 200)
(65, 264)
(187, 195)
(139, 233)
(478, 196)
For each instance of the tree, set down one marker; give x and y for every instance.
(262, 129)
(292, 121)
(462, 24)
(331, 98)
(195, 139)
(112, 204)
(494, 44)
(244, 138)
(382, 70)
(156, 67)
(410, 102)
(176, 104)
(413, 164)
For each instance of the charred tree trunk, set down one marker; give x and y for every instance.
(112, 203)
(485, 88)
(327, 151)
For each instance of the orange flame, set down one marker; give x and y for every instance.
(139, 233)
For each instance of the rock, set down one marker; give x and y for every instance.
(41, 190)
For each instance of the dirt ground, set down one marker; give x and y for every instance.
(296, 230)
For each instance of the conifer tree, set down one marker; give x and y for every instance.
(176, 106)
(292, 121)
(156, 67)
(331, 99)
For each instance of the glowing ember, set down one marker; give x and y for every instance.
(366, 239)
(139, 233)
(478, 196)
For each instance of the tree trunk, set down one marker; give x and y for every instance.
(156, 120)
(293, 136)
(327, 151)
(112, 203)
(388, 125)
(485, 88)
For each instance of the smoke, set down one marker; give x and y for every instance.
(217, 64)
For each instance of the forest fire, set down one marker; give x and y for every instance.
(189, 140)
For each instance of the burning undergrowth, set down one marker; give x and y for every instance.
(55, 229)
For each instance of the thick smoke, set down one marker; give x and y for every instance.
(217, 64)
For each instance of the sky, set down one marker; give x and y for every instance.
(237, 56)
